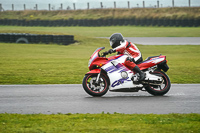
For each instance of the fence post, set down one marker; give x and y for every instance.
(24, 6)
(49, 7)
(172, 3)
(1, 8)
(114, 4)
(36, 7)
(128, 4)
(88, 5)
(74, 6)
(12, 7)
(61, 6)
(101, 5)
(143, 4)
(189, 2)
(158, 4)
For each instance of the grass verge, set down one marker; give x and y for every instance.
(100, 123)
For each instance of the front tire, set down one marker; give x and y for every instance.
(95, 89)
(159, 90)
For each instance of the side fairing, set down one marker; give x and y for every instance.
(152, 62)
(114, 71)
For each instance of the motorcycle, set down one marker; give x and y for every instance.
(111, 74)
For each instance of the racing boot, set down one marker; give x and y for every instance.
(137, 70)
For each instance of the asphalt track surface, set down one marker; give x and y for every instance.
(164, 40)
(71, 98)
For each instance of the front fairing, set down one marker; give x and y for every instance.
(95, 55)
(98, 62)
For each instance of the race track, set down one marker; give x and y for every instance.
(53, 99)
(165, 40)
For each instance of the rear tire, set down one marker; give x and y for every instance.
(159, 90)
(93, 89)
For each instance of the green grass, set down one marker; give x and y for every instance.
(58, 64)
(127, 31)
(43, 64)
(100, 123)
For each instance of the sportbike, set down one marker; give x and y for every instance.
(111, 74)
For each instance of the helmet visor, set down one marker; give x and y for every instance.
(111, 43)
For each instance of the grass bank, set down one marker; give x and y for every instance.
(98, 123)
(170, 13)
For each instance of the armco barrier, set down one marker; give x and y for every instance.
(36, 38)
(189, 22)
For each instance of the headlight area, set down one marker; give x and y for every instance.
(89, 63)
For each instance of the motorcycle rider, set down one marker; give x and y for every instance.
(122, 46)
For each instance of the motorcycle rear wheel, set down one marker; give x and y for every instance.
(95, 89)
(159, 90)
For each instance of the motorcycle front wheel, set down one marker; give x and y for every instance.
(159, 90)
(95, 89)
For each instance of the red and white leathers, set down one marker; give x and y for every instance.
(131, 50)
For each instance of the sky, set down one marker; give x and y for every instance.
(82, 4)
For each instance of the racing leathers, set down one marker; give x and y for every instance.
(134, 56)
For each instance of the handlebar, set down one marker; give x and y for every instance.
(104, 54)
(108, 52)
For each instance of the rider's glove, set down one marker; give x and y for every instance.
(105, 53)
(111, 51)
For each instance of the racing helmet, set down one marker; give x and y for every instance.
(115, 40)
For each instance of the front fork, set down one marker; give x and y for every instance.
(98, 76)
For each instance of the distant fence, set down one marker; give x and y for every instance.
(183, 22)
(36, 38)
(99, 5)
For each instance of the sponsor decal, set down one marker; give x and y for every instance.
(120, 81)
